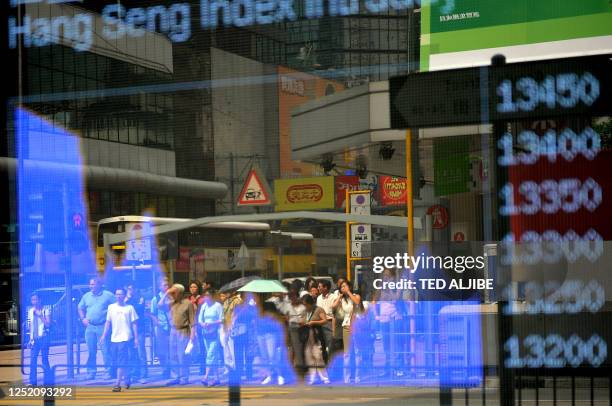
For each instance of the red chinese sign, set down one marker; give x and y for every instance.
(342, 184)
(392, 190)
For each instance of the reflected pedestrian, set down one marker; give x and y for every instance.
(196, 299)
(349, 302)
(314, 292)
(210, 319)
(310, 282)
(121, 318)
(160, 317)
(38, 324)
(271, 341)
(230, 301)
(182, 330)
(339, 283)
(325, 301)
(390, 320)
(314, 344)
(136, 300)
(208, 285)
(92, 311)
(295, 313)
(243, 324)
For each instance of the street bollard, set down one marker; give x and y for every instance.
(234, 387)
(50, 382)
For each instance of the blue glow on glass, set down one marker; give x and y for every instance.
(51, 196)
(53, 219)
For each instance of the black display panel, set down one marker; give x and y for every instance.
(531, 90)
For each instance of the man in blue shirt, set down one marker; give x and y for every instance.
(160, 310)
(92, 311)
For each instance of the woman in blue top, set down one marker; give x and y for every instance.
(210, 319)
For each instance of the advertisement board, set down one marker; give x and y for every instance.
(344, 183)
(304, 193)
(468, 33)
(392, 190)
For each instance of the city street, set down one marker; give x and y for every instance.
(98, 392)
(306, 202)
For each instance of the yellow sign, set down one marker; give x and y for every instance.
(304, 193)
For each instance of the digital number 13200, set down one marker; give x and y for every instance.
(553, 351)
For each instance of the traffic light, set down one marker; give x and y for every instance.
(77, 233)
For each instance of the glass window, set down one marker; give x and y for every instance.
(92, 65)
(123, 130)
(68, 55)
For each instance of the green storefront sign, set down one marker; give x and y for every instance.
(455, 26)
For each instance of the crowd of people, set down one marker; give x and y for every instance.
(318, 331)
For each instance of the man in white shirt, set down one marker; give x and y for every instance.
(121, 318)
(325, 301)
(39, 320)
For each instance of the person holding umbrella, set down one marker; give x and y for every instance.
(270, 332)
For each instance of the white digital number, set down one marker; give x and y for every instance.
(550, 196)
(553, 351)
(565, 90)
(567, 145)
(571, 297)
(550, 247)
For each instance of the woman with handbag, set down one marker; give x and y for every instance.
(314, 344)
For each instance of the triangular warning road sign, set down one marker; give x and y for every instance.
(255, 191)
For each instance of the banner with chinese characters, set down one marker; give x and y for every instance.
(304, 193)
(392, 190)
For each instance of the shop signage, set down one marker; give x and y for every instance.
(292, 85)
(344, 183)
(304, 193)
(392, 191)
